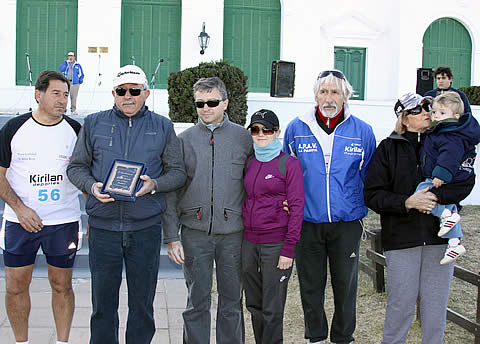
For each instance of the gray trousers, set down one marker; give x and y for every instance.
(73, 96)
(411, 273)
(201, 250)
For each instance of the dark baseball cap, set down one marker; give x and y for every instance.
(265, 117)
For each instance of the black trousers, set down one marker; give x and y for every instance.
(265, 290)
(338, 244)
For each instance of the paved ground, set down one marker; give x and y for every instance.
(169, 304)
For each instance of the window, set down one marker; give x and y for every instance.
(251, 39)
(352, 62)
(46, 31)
(151, 30)
(446, 42)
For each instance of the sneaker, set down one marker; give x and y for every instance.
(447, 223)
(452, 254)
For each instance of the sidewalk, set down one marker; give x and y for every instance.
(169, 303)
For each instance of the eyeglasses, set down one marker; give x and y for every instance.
(210, 103)
(417, 110)
(335, 73)
(256, 130)
(123, 91)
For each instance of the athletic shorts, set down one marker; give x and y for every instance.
(59, 244)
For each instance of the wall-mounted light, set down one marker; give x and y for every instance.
(203, 39)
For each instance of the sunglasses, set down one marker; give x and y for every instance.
(417, 110)
(256, 130)
(210, 103)
(335, 73)
(123, 91)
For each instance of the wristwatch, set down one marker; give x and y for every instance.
(155, 188)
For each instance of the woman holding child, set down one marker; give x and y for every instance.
(413, 249)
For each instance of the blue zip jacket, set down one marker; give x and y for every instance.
(449, 150)
(333, 193)
(77, 75)
(145, 137)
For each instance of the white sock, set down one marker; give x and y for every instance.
(59, 342)
(22, 342)
(446, 213)
(454, 242)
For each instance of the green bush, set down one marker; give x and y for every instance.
(473, 94)
(180, 91)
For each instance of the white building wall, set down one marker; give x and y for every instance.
(391, 31)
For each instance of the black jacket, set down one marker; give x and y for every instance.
(392, 177)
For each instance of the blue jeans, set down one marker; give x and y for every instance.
(109, 250)
(456, 231)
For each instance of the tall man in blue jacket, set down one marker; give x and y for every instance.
(335, 149)
(124, 232)
(73, 71)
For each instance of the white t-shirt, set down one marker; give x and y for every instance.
(36, 157)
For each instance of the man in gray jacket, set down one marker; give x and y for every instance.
(209, 211)
(124, 232)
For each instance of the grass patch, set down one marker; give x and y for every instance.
(371, 305)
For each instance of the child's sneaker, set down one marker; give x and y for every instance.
(447, 223)
(453, 253)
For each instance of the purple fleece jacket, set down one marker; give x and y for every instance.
(264, 219)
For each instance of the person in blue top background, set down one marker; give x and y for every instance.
(444, 78)
(73, 71)
(335, 149)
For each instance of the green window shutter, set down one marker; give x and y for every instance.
(46, 30)
(351, 61)
(251, 39)
(151, 30)
(446, 42)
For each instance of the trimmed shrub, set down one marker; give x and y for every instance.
(473, 94)
(180, 91)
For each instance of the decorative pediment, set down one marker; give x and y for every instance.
(352, 25)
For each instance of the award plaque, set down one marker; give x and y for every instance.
(123, 180)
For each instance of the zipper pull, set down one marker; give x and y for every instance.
(129, 122)
(328, 123)
(110, 144)
(225, 215)
(113, 128)
(211, 141)
(198, 214)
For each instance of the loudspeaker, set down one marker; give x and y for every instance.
(424, 80)
(283, 79)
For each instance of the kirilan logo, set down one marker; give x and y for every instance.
(354, 149)
(45, 179)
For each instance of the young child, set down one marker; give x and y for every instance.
(447, 156)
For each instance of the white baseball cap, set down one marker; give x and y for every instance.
(129, 74)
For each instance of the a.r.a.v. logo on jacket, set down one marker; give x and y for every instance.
(307, 147)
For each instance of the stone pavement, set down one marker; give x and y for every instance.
(169, 304)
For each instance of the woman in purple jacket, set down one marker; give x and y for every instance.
(270, 233)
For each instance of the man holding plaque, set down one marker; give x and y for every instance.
(209, 210)
(125, 204)
(42, 208)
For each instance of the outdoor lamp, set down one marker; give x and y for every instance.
(203, 39)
